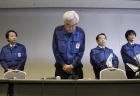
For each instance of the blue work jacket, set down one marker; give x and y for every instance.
(14, 58)
(129, 53)
(68, 49)
(98, 58)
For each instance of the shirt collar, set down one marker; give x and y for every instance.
(131, 43)
(12, 45)
(101, 47)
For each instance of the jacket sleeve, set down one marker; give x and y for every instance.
(23, 59)
(56, 53)
(115, 61)
(95, 62)
(2, 60)
(128, 59)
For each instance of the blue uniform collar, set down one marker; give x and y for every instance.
(65, 31)
(130, 44)
(12, 45)
(9, 45)
(99, 47)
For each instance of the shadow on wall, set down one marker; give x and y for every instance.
(37, 69)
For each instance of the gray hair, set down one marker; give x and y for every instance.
(70, 15)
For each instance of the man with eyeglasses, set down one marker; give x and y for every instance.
(68, 47)
(100, 55)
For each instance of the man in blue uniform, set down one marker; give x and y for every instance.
(68, 47)
(129, 53)
(100, 55)
(13, 56)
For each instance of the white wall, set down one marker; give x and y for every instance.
(70, 3)
(35, 28)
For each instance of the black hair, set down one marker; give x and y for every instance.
(97, 37)
(7, 34)
(129, 32)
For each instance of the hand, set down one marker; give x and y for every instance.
(111, 68)
(68, 69)
(16, 70)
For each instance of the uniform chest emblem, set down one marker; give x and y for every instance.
(77, 45)
(19, 54)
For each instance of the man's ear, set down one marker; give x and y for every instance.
(7, 40)
(97, 41)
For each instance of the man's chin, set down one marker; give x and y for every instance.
(103, 44)
(14, 42)
(69, 31)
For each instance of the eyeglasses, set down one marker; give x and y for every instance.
(70, 26)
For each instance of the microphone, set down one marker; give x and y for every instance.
(42, 88)
(73, 76)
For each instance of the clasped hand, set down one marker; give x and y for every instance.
(68, 68)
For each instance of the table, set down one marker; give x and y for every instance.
(3, 87)
(71, 87)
